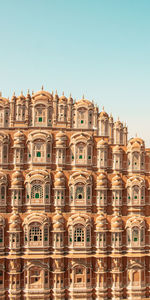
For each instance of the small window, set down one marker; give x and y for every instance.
(40, 119)
(82, 121)
(38, 154)
(80, 156)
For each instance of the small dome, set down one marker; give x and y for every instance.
(42, 95)
(117, 149)
(116, 223)
(103, 114)
(17, 178)
(58, 222)
(14, 227)
(61, 135)
(21, 97)
(117, 181)
(59, 179)
(102, 180)
(14, 222)
(102, 143)
(136, 143)
(84, 102)
(101, 223)
(19, 135)
(63, 98)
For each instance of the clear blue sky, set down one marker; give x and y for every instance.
(99, 48)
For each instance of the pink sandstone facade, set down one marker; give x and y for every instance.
(74, 202)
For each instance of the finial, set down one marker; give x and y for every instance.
(118, 119)
(0, 94)
(28, 91)
(52, 93)
(83, 96)
(42, 88)
(21, 93)
(63, 93)
(32, 92)
(56, 92)
(136, 135)
(14, 94)
(103, 108)
(70, 95)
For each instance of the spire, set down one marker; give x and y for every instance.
(32, 92)
(0, 94)
(42, 88)
(63, 93)
(83, 96)
(103, 108)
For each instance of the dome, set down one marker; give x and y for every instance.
(42, 95)
(17, 178)
(14, 222)
(117, 149)
(102, 180)
(101, 223)
(117, 181)
(58, 222)
(19, 135)
(116, 223)
(63, 98)
(4, 100)
(136, 143)
(21, 97)
(59, 179)
(60, 143)
(84, 102)
(14, 227)
(102, 143)
(118, 124)
(103, 114)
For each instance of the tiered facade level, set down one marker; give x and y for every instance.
(74, 202)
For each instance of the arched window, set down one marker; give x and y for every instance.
(82, 118)
(79, 232)
(39, 151)
(135, 161)
(79, 235)
(36, 231)
(135, 232)
(40, 115)
(35, 234)
(36, 193)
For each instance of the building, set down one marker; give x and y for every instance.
(74, 202)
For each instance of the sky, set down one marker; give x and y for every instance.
(99, 48)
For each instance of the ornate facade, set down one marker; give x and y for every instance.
(74, 202)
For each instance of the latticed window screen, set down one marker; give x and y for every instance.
(88, 192)
(36, 191)
(79, 192)
(46, 233)
(135, 234)
(88, 235)
(38, 149)
(40, 113)
(2, 195)
(1, 235)
(35, 234)
(79, 235)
